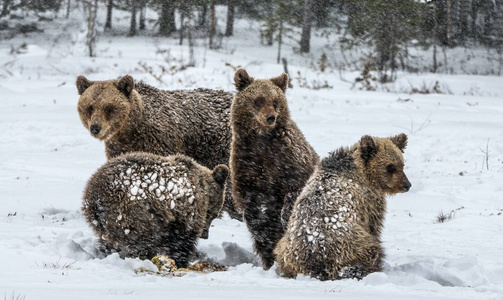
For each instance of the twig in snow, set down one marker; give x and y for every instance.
(14, 296)
(441, 218)
(486, 156)
(423, 125)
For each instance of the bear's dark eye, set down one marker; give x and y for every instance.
(108, 110)
(275, 104)
(259, 102)
(90, 109)
(390, 168)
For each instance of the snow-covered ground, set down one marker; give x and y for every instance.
(454, 161)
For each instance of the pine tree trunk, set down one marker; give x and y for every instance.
(171, 19)
(268, 33)
(280, 40)
(202, 17)
(437, 37)
(213, 28)
(182, 26)
(463, 21)
(474, 28)
(133, 29)
(489, 18)
(92, 10)
(110, 6)
(435, 65)
(449, 22)
(444, 52)
(192, 61)
(306, 27)
(230, 18)
(499, 34)
(167, 19)
(143, 11)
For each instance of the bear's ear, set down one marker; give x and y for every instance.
(220, 174)
(400, 141)
(126, 85)
(242, 79)
(281, 81)
(368, 148)
(82, 84)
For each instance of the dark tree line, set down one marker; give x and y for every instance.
(8, 6)
(389, 26)
(449, 22)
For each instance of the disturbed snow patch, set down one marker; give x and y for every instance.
(459, 272)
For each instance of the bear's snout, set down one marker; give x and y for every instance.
(270, 118)
(95, 129)
(406, 186)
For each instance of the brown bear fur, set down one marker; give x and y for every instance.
(270, 159)
(143, 205)
(335, 226)
(131, 116)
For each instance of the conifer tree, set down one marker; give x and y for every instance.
(386, 25)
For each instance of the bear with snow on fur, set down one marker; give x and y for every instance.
(270, 159)
(335, 226)
(131, 117)
(143, 205)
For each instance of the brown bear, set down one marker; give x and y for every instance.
(143, 205)
(131, 116)
(270, 159)
(335, 226)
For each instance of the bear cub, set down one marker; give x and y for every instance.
(270, 159)
(143, 205)
(335, 226)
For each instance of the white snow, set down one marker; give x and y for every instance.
(134, 190)
(47, 250)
